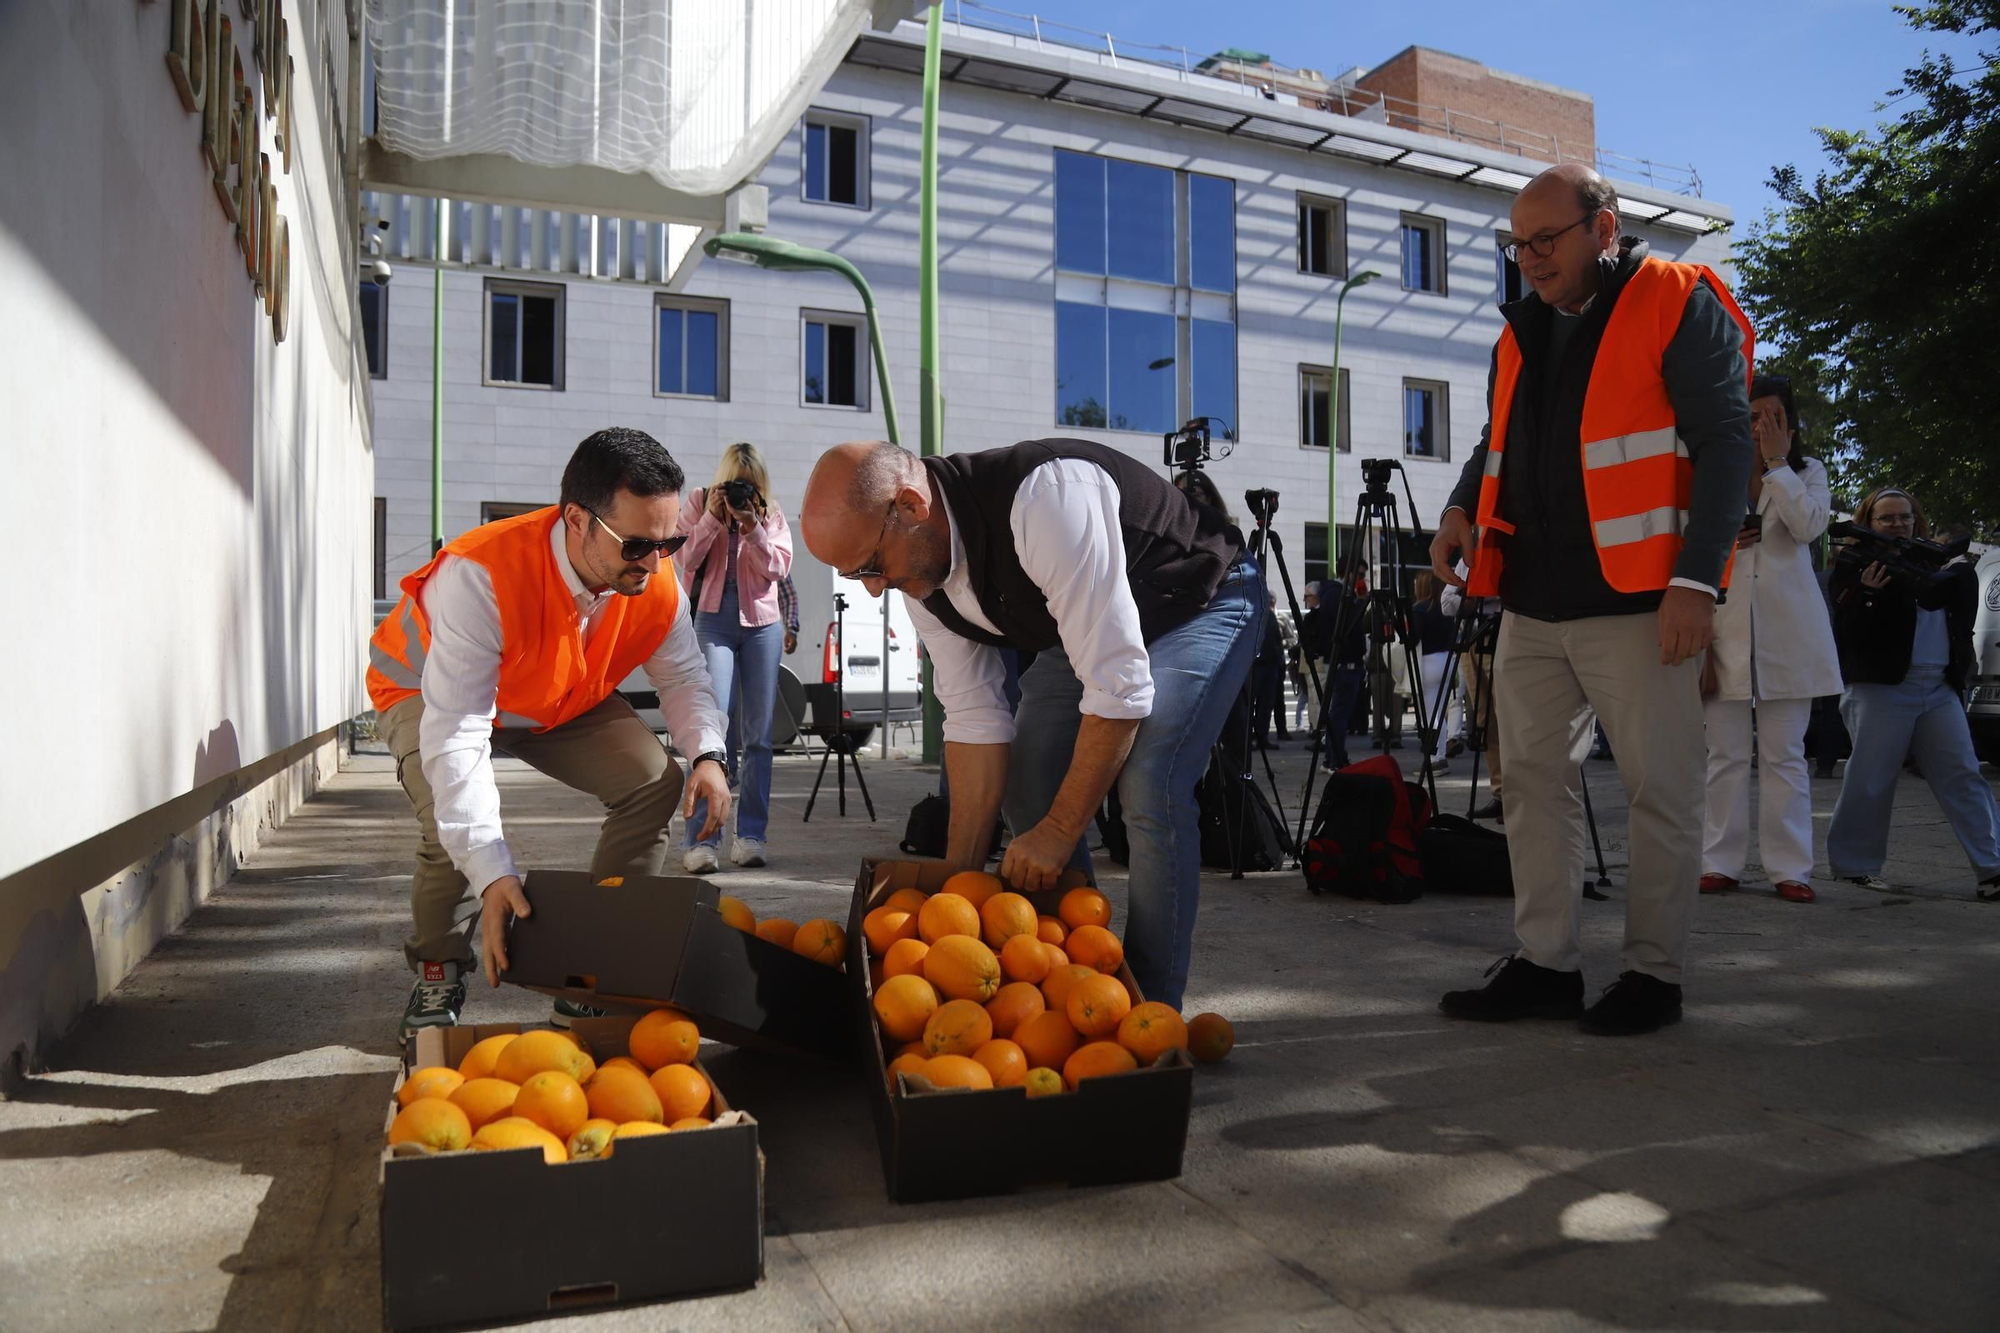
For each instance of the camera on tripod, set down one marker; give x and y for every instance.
(1375, 471)
(1191, 445)
(740, 494)
(1263, 504)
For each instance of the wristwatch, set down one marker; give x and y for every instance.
(716, 755)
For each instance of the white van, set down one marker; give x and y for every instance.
(869, 662)
(1984, 695)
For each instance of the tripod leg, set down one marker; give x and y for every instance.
(807, 818)
(1590, 816)
(863, 784)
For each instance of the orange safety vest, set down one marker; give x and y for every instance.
(1637, 477)
(548, 675)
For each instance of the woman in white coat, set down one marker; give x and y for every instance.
(1773, 646)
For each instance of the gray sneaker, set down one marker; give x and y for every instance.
(1873, 883)
(436, 999)
(567, 1011)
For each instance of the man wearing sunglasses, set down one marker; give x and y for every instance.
(515, 638)
(1607, 493)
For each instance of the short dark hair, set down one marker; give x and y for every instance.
(618, 458)
(1596, 194)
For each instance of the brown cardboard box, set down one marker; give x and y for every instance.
(964, 1144)
(478, 1236)
(662, 941)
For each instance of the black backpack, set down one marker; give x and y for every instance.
(1365, 834)
(1460, 856)
(1233, 810)
(929, 830)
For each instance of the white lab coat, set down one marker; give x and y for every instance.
(1775, 613)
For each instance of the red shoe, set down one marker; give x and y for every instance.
(1716, 883)
(1794, 892)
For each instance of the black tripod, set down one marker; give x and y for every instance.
(840, 743)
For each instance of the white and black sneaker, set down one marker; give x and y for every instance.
(567, 1011)
(436, 999)
(1872, 883)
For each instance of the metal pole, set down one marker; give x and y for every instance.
(929, 394)
(437, 382)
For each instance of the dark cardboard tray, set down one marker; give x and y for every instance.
(942, 1145)
(475, 1237)
(661, 940)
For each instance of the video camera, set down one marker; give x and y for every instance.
(741, 494)
(1263, 504)
(1375, 471)
(1190, 446)
(1910, 561)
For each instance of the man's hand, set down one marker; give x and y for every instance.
(1454, 537)
(499, 905)
(1037, 857)
(1687, 624)
(707, 781)
(791, 641)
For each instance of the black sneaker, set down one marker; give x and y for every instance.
(1491, 810)
(1633, 1004)
(1522, 990)
(436, 999)
(1989, 890)
(567, 1011)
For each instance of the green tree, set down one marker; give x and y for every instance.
(1876, 285)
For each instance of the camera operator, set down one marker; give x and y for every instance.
(738, 547)
(1905, 636)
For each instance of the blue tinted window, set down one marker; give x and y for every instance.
(1420, 268)
(1082, 395)
(1141, 216)
(1142, 371)
(702, 352)
(505, 352)
(1419, 423)
(815, 363)
(1214, 373)
(816, 162)
(1079, 213)
(1212, 234)
(671, 351)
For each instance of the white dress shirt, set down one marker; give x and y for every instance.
(461, 683)
(1068, 538)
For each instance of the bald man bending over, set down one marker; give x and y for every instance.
(1141, 608)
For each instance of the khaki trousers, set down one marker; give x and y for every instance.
(607, 752)
(1550, 679)
(1475, 674)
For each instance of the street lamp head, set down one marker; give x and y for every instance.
(767, 252)
(1358, 280)
(1161, 364)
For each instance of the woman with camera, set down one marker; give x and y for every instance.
(1905, 632)
(1773, 645)
(737, 549)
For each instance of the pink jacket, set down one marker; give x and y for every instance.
(763, 556)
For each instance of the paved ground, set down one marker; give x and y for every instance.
(1814, 1148)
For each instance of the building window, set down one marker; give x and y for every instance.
(1315, 567)
(1145, 326)
(834, 368)
(836, 159)
(492, 511)
(1322, 237)
(524, 334)
(1315, 412)
(1423, 254)
(1426, 420)
(691, 348)
(1511, 286)
(381, 545)
(375, 328)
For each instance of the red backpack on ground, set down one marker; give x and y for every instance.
(1364, 835)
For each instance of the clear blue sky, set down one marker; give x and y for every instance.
(1733, 88)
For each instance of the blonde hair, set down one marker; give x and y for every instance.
(1427, 586)
(741, 459)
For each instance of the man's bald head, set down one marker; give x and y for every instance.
(1571, 212)
(851, 487)
(1589, 191)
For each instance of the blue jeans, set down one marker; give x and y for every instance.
(1198, 671)
(739, 656)
(1343, 688)
(1923, 715)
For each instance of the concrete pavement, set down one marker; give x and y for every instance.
(1816, 1147)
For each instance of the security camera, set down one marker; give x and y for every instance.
(381, 272)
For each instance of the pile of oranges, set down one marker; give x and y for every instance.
(819, 939)
(974, 989)
(541, 1089)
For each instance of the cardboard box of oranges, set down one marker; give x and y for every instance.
(525, 1220)
(670, 940)
(982, 1084)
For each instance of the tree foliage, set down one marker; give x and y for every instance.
(1876, 285)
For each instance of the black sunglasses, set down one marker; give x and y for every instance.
(637, 548)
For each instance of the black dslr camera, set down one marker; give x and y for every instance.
(1910, 561)
(741, 494)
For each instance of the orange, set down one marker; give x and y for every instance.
(478, 1062)
(959, 1027)
(533, 1052)
(1097, 1005)
(956, 1071)
(821, 941)
(1058, 960)
(555, 1102)
(1012, 1006)
(592, 1140)
(1096, 948)
(623, 1062)
(663, 1037)
(1097, 1059)
(516, 1132)
(1043, 1082)
(430, 1081)
(611, 882)
(1084, 907)
(885, 925)
(619, 1095)
(691, 1122)
(1210, 1037)
(737, 913)
(1056, 988)
(636, 1129)
(1005, 915)
(975, 886)
(776, 930)
(904, 1005)
(1050, 930)
(906, 1064)
(947, 914)
(433, 1122)
(962, 968)
(1004, 1061)
(907, 900)
(1151, 1030)
(485, 1099)
(904, 957)
(1024, 958)
(683, 1092)
(1047, 1038)
(914, 1048)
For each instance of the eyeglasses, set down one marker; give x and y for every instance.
(873, 569)
(1545, 244)
(638, 548)
(1893, 520)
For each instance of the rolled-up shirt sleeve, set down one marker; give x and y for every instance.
(679, 675)
(461, 683)
(1070, 542)
(970, 679)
